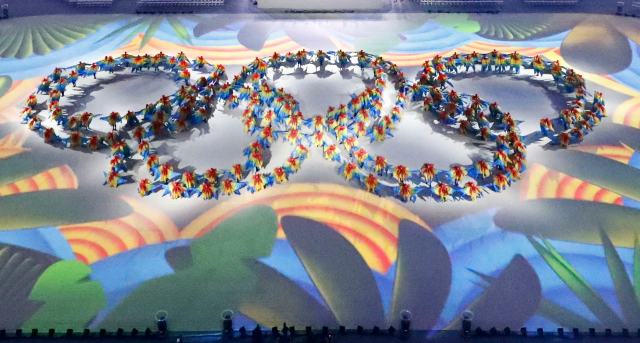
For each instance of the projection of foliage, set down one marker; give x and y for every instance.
(626, 290)
(69, 298)
(19, 270)
(515, 27)
(23, 37)
(216, 275)
(148, 26)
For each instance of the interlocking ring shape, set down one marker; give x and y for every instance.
(271, 114)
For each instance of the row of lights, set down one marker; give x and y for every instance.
(540, 332)
(85, 333)
(257, 333)
(290, 331)
(161, 326)
(467, 318)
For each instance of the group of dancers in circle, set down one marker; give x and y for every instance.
(270, 114)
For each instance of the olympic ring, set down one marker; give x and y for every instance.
(272, 114)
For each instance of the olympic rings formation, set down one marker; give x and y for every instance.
(271, 114)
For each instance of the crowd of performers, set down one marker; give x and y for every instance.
(270, 114)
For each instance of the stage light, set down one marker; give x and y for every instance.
(523, 331)
(592, 332)
(342, 330)
(560, 332)
(507, 331)
(576, 332)
(376, 331)
(161, 321)
(52, 332)
(540, 332)
(467, 318)
(243, 332)
(227, 323)
(391, 330)
(607, 332)
(34, 332)
(405, 323)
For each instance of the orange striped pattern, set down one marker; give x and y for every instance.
(621, 153)
(12, 101)
(55, 178)
(226, 55)
(628, 113)
(408, 60)
(544, 183)
(92, 242)
(11, 144)
(367, 221)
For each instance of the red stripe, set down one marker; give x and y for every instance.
(564, 182)
(580, 190)
(541, 184)
(93, 246)
(94, 231)
(139, 217)
(50, 179)
(388, 235)
(295, 195)
(68, 174)
(131, 229)
(380, 255)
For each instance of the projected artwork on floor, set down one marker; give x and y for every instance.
(326, 170)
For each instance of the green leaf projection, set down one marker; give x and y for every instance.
(23, 37)
(67, 295)
(577, 283)
(625, 288)
(148, 27)
(219, 278)
(461, 22)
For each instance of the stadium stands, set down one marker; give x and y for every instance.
(462, 5)
(91, 2)
(551, 2)
(322, 5)
(173, 3)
